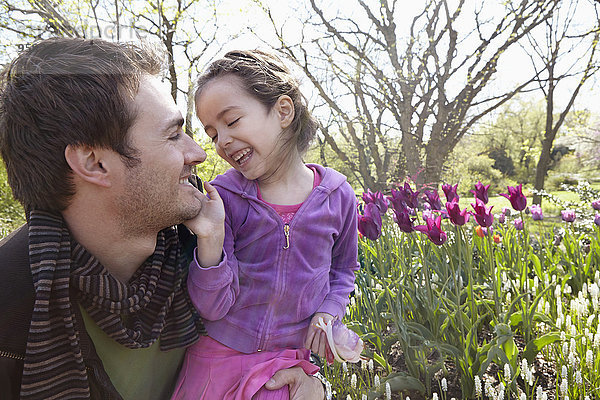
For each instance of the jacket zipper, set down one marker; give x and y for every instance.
(19, 357)
(14, 356)
(263, 339)
(286, 232)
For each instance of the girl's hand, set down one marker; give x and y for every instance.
(316, 339)
(209, 227)
(212, 214)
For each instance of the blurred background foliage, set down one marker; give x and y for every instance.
(400, 91)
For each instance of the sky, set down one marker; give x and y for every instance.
(513, 67)
(234, 15)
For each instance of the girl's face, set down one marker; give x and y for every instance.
(245, 133)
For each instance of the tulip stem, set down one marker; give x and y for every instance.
(456, 276)
(469, 265)
(525, 278)
(425, 270)
(493, 274)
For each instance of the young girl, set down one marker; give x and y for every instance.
(287, 251)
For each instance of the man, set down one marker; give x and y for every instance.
(92, 288)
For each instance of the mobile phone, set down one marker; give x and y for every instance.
(196, 182)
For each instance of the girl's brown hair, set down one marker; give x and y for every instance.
(266, 78)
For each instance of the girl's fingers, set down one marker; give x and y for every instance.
(212, 193)
(315, 343)
(309, 337)
(322, 341)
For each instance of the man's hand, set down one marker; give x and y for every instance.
(316, 339)
(208, 226)
(302, 386)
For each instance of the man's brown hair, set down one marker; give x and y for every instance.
(62, 92)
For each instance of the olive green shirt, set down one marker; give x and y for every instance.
(148, 374)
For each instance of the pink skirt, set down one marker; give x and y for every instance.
(212, 370)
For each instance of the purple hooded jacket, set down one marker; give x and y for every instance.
(262, 295)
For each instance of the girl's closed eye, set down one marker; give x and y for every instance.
(234, 122)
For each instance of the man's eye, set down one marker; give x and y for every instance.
(175, 137)
(233, 122)
(213, 138)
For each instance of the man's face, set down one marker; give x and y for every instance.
(155, 193)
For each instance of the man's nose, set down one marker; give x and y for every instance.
(194, 153)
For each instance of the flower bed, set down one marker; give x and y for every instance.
(484, 305)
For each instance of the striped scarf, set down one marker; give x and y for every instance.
(152, 304)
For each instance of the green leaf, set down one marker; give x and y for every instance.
(398, 382)
(425, 333)
(381, 361)
(537, 299)
(537, 265)
(445, 348)
(515, 319)
(534, 346)
(510, 349)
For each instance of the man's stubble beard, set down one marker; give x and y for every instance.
(148, 206)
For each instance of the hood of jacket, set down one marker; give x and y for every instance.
(233, 181)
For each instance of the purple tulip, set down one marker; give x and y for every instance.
(501, 218)
(518, 224)
(345, 345)
(483, 214)
(404, 220)
(450, 191)
(457, 217)
(568, 215)
(506, 211)
(433, 199)
(396, 200)
(596, 205)
(376, 198)
(406, 195)
(536, 212)
(481, 192)
(427, 214)
(369, 224)
(433, 230)
(516, 197)
(412, 197)
(597, 219)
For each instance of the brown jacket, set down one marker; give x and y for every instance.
(16, 305)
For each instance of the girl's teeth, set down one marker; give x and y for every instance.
(244, 157)
(241, 154)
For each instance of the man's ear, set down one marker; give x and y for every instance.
(285, 109)
(90, 164)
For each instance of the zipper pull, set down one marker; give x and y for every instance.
(286, 232)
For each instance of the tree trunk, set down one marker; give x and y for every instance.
(549, 134)
(437, 153)
(542, 167)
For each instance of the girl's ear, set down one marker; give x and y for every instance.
(285, 108)
(90, 164)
